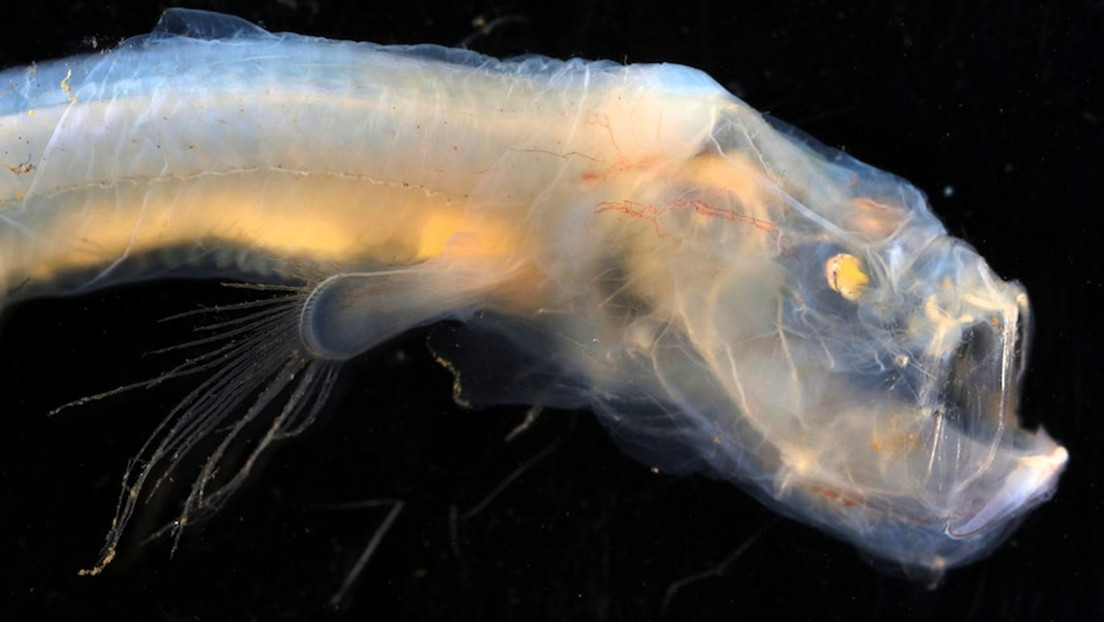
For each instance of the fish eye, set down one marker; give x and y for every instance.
(846, 276)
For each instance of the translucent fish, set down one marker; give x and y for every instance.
(727, 296)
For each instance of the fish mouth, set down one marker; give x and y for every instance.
(981, 393)
(1013, 470)
(979, 358)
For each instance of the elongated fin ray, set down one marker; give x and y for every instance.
(260, 377)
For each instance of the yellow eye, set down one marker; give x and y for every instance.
(845, 275)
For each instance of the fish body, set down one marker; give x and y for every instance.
(727, 295)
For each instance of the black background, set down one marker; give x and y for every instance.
(999, 101)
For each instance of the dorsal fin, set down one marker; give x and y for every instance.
(197, 24)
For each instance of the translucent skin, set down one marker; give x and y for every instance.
(630, 239)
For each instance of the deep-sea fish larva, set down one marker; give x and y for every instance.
(726, 296)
